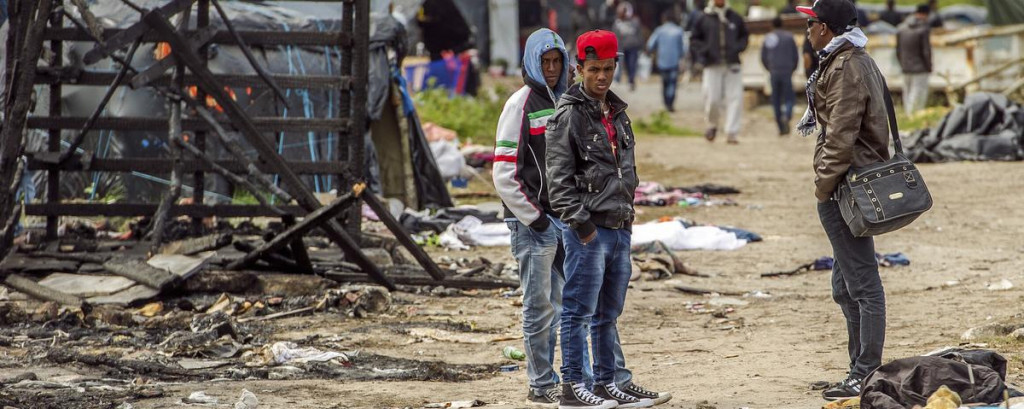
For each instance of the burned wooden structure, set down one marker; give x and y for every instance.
(46, 27)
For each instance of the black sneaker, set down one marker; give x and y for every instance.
(575, 396)
(612, 392)
(641, 393)
(547, 398)
(849, 388)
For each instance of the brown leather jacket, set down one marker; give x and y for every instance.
(852, 123)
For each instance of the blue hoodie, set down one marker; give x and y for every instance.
(540, 42)
(519, 144)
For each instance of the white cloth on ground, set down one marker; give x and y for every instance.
(679, 237)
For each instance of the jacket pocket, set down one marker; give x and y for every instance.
(628, 138)
(591, 147)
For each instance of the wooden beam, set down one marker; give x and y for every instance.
(37, 291)
(316, 219)
(264, 148)
(403, 236)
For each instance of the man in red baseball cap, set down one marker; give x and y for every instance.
(591, 179)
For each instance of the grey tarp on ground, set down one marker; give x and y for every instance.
(903, 383)
(986, 127)
(1005, 12)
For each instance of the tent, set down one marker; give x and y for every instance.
(1005, 12)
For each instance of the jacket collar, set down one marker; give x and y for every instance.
(576, 96)
(538, 88)
(846, 48)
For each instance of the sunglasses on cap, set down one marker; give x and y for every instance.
(812, 21)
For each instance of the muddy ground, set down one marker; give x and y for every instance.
(765, 356)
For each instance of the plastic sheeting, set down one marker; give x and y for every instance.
(305, 103)
(1005, 12)
(471, 231)
(986, 127)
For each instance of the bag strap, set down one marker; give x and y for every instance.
(894, 128)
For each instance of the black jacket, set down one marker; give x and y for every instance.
(914, 47)
(707, 34)
(588, 184)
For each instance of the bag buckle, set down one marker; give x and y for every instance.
(911, 180)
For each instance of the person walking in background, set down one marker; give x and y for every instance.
(890, 15)
(668, 44)
(780, 55)
(591, 168)
(692, 17)
(914, 52)
(718, 38)
(629, 31)
(845, 105)
(519, 179)
(789, 8)
(934, 19)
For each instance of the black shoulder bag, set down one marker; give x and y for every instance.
(885, 196)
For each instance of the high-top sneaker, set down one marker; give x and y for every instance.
(612, 392)
(641, 393)
(545, 398)
(576, 396)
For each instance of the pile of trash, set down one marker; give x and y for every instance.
(655, 194)
(987, 127)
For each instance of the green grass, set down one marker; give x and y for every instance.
(926, 118)
(474, 119)
(660, 123)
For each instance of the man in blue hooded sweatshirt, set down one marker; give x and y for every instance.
(519, 178)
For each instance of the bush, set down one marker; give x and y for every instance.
(474, 119)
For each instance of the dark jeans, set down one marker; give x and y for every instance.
(782, 100)
(630, 59)
(857, 288)
(596, 278)
(669, 80)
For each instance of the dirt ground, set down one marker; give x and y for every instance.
(783, 343)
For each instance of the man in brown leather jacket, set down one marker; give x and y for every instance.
(845, 98)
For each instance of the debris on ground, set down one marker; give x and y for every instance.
(248, 400)
(457, 404)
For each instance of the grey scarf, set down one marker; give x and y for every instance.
(809, 121)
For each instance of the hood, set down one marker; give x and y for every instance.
(540, 42)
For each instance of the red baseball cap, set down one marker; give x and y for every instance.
(807, 10)
(602, 43)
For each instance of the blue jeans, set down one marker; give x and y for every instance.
(857, 288)
(597, 276)
(669, 80)
(540, 256)
(782, 100)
